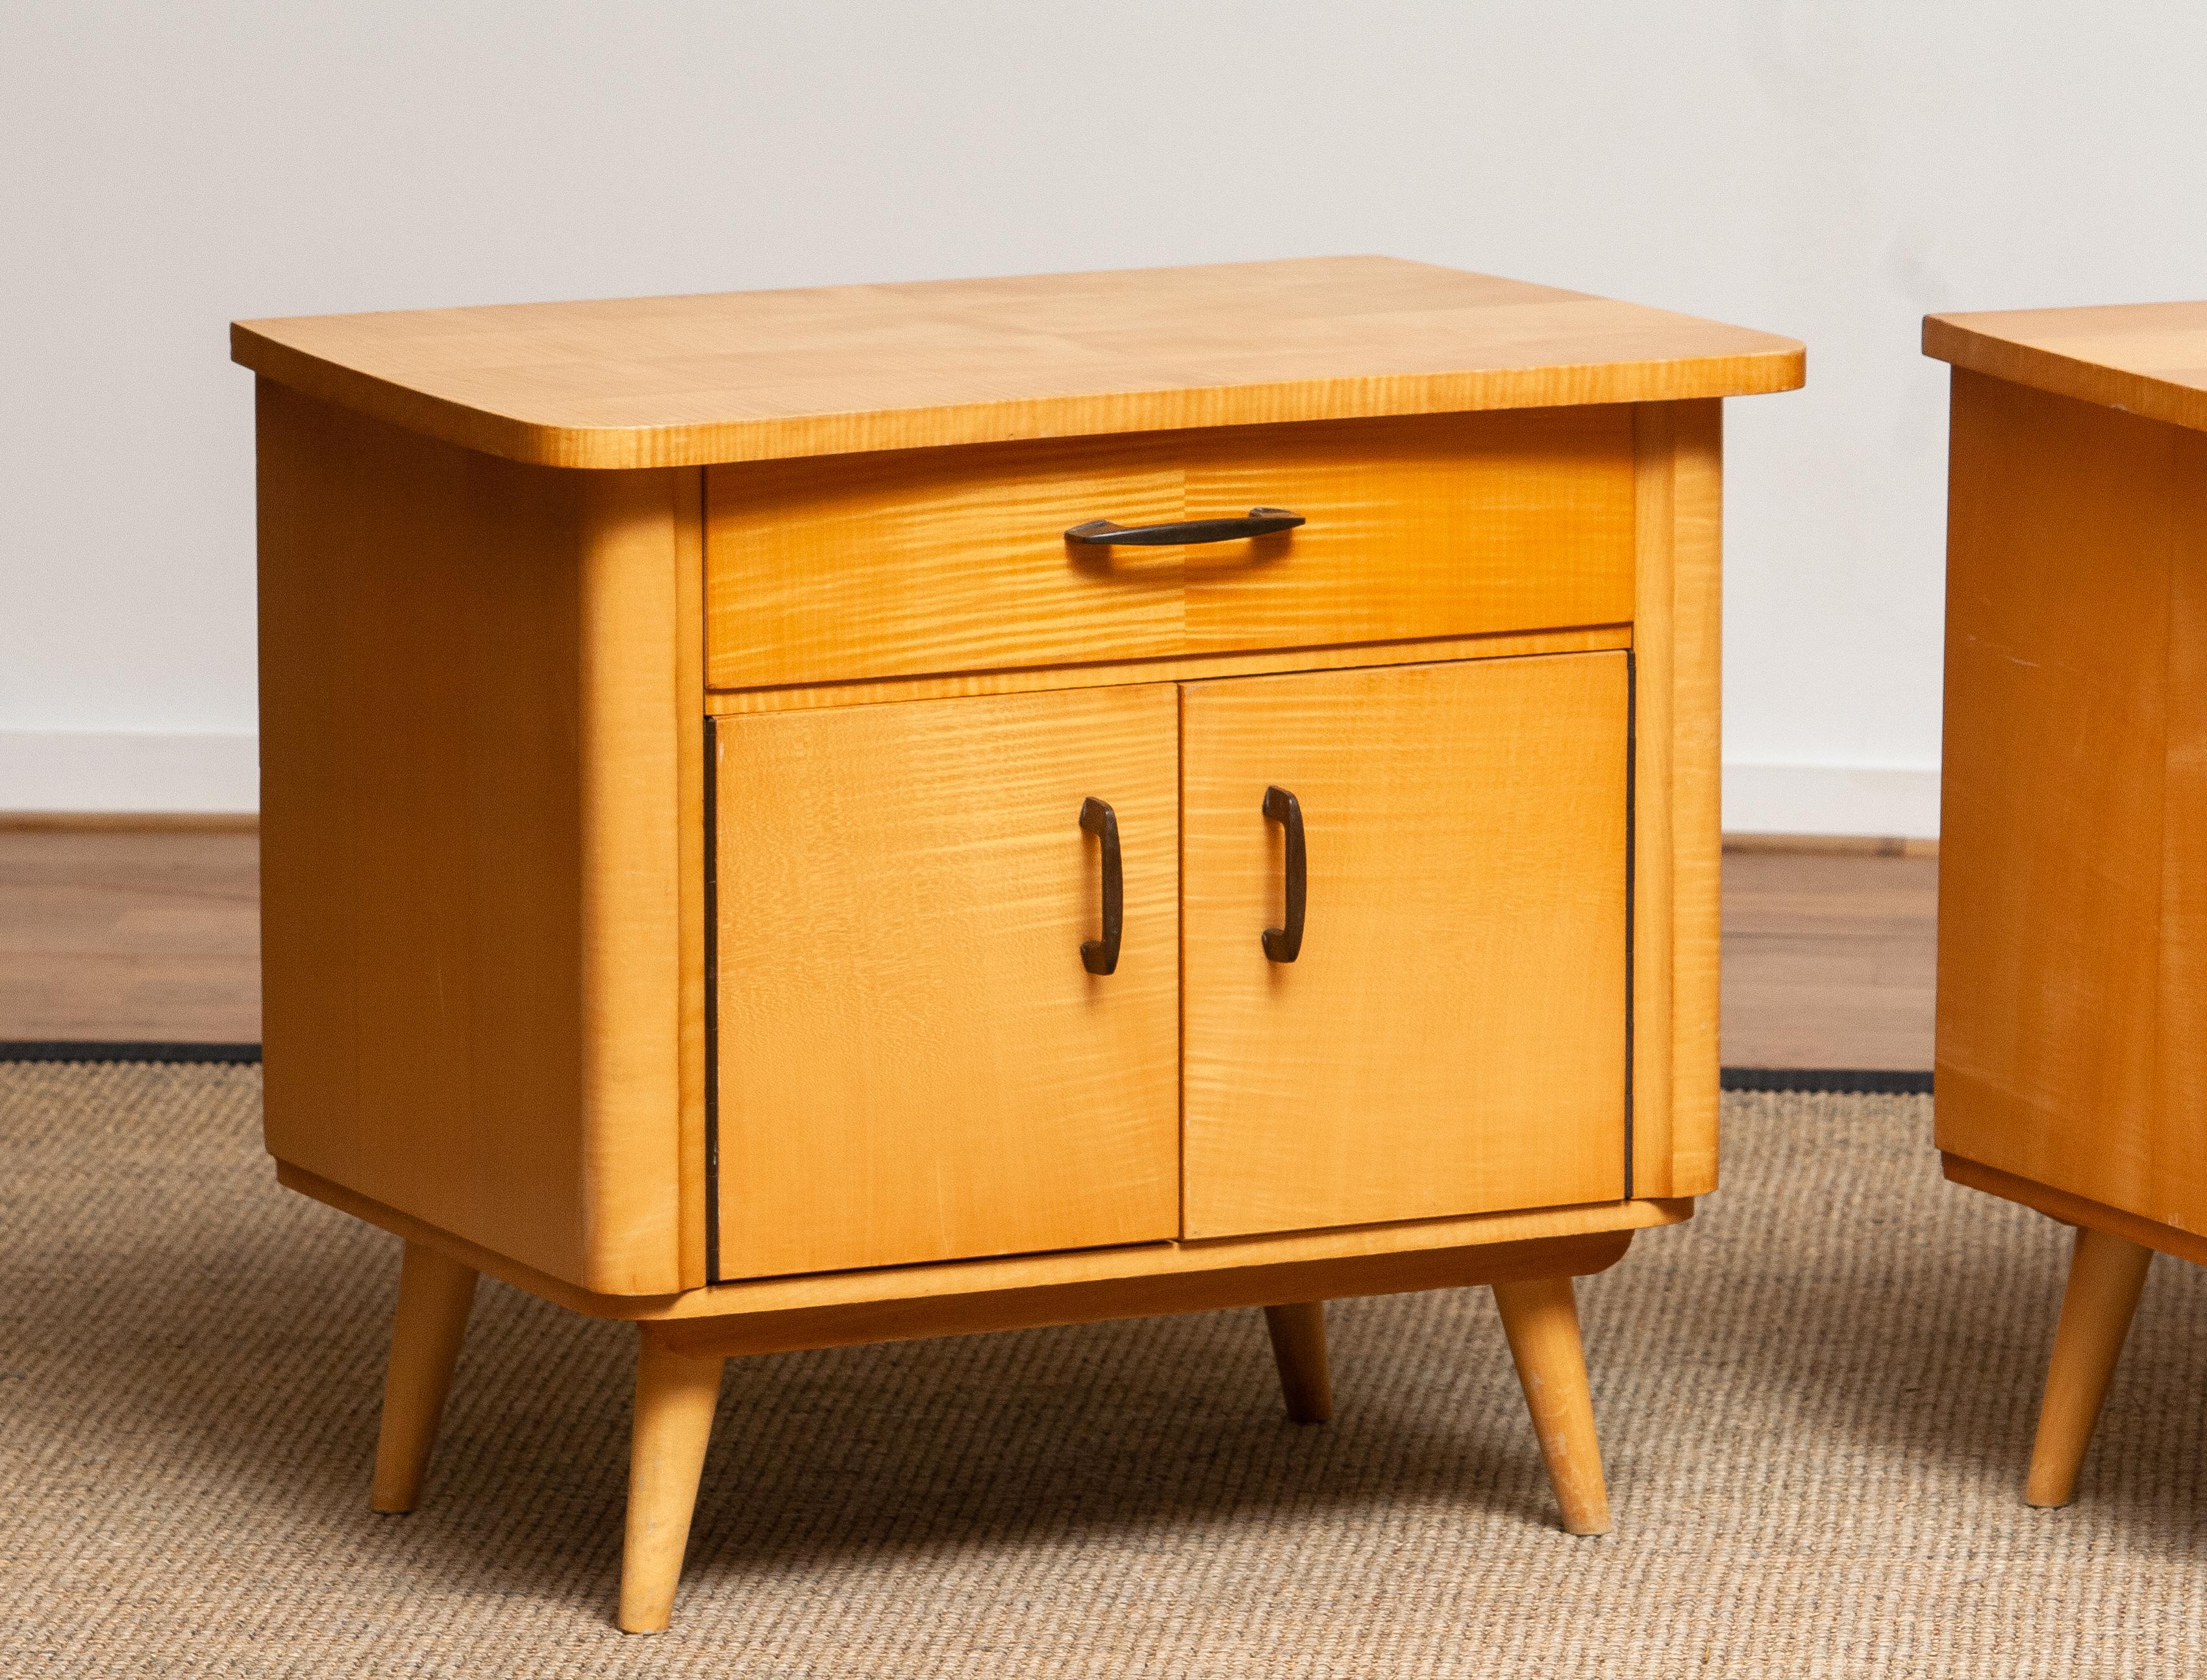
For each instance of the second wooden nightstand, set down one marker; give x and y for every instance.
(2073, 874)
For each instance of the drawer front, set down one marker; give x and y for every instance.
(914, 1063)
(1450, 1038)
(935, 561)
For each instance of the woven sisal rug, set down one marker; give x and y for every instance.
(1816, 1402)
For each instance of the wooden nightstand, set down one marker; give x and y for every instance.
(816, 817)
(2071, 1068)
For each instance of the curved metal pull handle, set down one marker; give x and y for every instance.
(1286, 944)
(1101, 956)
(1259, 521)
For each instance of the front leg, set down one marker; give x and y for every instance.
(2106, 1274)
(435, 1294)
(675, 1394)
(1542, 1318)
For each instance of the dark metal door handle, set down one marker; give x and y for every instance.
(1101, 956)
(1286, 944)
(1258, 521)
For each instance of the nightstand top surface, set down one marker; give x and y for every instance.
(2147, 359)
(761, 375)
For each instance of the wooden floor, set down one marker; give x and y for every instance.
(1828, 960)
(152, 936)
(129, 935)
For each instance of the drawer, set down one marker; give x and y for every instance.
(915, 1062)
(1450, 1037)
(928, 562)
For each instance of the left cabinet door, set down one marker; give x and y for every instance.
(914, 1062)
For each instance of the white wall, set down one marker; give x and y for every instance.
(1829, 171)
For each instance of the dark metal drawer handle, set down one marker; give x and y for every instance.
(1101, 956)
(1286, 944)
(1259, 521)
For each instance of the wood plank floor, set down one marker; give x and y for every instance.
(154, 936)
(130, 936)
(1829, 960)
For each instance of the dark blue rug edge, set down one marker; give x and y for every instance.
(66, 1050)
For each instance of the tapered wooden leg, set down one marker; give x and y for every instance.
(434, 1297)
(1299, 1350)
(675, 1394)
(1542, 1318)
(2105, 1275)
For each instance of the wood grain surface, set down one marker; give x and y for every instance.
(1540, 1317)
(1677, 658)
(1444, 525)
(1194, 668)
(1830, 960)
(436, 1293)
(936, 561)
(2106, 1276)
(1297, 1330)
(471, 873)
(2146, 359)
(914, 1064)
(748, 376)
(2072, 978)
(143, 936)
(675, 1397)
(1192, 1285)
(2074, 1210)
(1466, 936)
(692, 845)
(1309, 1261)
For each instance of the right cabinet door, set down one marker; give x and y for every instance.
(1450, 1037)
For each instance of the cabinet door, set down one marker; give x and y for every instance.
(1450, 1037)
(914, 1062)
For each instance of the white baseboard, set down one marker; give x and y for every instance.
(91, 772)
(1830, 799)
(102, 772)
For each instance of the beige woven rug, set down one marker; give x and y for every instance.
(1816, 1402)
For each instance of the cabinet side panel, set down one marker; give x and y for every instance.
(425, 757)
(2177, 1174)
(2059, 546)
